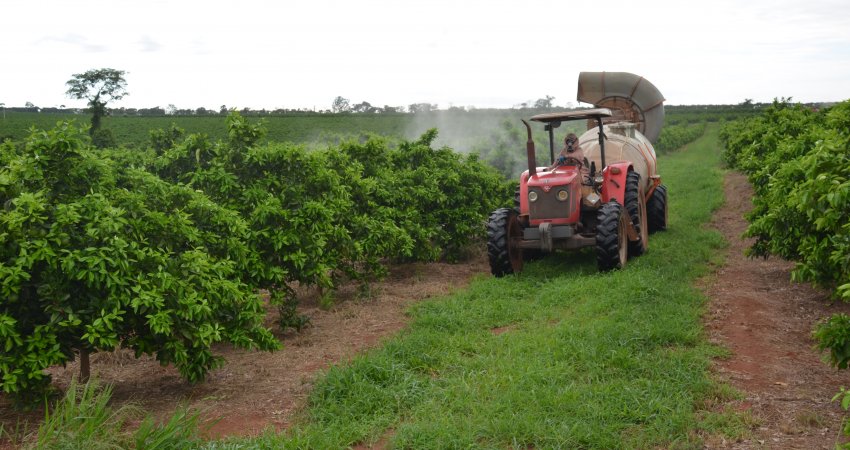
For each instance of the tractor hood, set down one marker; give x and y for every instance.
(548, 180)
(558, 197)
(630, 97)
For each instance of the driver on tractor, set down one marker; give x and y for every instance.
(572, 155)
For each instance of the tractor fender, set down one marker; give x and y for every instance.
(614, 181)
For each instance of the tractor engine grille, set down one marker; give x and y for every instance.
(548, 206)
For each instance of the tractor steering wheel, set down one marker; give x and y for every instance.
(571, 161)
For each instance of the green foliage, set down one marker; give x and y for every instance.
(83, 418)
(182, 430)
(694, 114)
(288, 316)
(676, 136)
(161, 140)
(133, 131)
(843, 397)
(436, 197)
(317, 215)
(96, 255)
(798, 161)
(99, 253)
(759, 145)
(242, 133)
(833, 335)
(103, 138)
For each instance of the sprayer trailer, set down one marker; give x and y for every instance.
(602, 190)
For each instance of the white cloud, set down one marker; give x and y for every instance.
(72, 40)
(147, 44)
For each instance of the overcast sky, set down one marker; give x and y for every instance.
(279, 54)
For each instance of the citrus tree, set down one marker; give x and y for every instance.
(95, 255)
(315, 216)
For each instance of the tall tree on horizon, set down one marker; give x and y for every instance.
(99, 87)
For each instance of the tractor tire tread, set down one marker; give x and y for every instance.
(632, 200)
(656, 209)
(498, 241)
(608, 238)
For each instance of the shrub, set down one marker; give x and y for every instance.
(95, 256)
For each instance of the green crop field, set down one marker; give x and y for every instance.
(135, 131)
(461, 129)
(497, 136)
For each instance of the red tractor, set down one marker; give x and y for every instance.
(604, 189)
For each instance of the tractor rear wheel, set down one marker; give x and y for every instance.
(656, 209)
(505, 258)
(611, 237)
(635, 205)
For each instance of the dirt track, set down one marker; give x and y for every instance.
(766, 321)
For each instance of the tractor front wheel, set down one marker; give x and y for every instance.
(634, 203)
(656, 209)
(505, 258)
(611, 237)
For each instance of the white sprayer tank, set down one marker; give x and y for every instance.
(638, 108)
(623, 143)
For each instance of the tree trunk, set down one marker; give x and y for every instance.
(85, 369)
(95, 123)
(98, 110)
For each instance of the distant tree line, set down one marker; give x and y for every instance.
(342, 105)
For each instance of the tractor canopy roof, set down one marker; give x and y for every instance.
(594, 114)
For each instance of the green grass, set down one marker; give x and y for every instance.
(83, 419)
(589, 360)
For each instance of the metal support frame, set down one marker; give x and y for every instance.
(550, 127)
(601, 141)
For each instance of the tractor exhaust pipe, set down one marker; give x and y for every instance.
(529, 150)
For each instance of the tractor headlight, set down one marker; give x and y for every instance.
(563, 195)
(532, 196)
